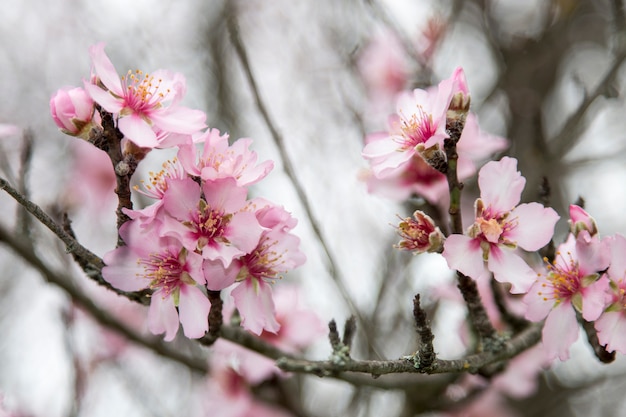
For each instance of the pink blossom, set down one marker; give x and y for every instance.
(146, 104)
(572, 280)
(419, 178)
(419, 235)
(419, 124)
(221, 160)
(276, 253)
(611, 325)
(72, 110)
(212, 219)
(165, 266)
(155, 188)
(500, 227)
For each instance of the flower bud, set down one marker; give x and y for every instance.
(72, 110)
(581, 220)
(419, 235)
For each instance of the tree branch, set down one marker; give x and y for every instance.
(79, 297)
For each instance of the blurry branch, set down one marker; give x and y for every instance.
(25, 251)
(89, 261)
(242, 54)
(23, 219)
(471, 363)
(567, 137)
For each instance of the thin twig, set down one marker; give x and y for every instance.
(79, 297)
(242, 54)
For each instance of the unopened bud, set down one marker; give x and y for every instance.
(581, 220)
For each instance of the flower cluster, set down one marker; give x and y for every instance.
(202, 232)
(586, 278)
(403, 160)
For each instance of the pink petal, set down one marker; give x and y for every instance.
(253, 299)
(162, 316)
(217, 276)
(193, 310)
(122, 270)
(595, 298)
(539, 302)
(105, 70)
(501, 184)
(181, 198)
(507, 266)
(224, 194)
(617, 270)
(535, 226)
(104, 98)
(179, 120)
(560, 331)
(244, 231)
(611, 329)
(465, 255)
(138, 131)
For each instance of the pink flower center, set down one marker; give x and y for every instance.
(143, 92)
(157, 182)
(417, 129)
(564, 280)
(164, 271)
(264, 262)
(492, 227)
(209, 226)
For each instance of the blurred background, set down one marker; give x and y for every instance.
(545, 74)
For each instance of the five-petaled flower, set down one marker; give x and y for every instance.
(500, 227)
(571, 280)
(146, 104)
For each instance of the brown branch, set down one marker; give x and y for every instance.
(25, 251)
(426, 353)
(91, 263)
(471, 363)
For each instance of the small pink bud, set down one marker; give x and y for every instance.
(581, 220)
(419, 235)
(72, 110)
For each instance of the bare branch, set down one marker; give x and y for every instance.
(79, 297)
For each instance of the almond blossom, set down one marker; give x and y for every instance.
(571, 283)
(170, 270)
(212, 219)
(611, 325)
(419, 235)
(276, 253)
(500, 227)
(419, 124)
(417, 177)
(146, 104)
(221, 160)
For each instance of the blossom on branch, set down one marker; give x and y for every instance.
(277, 252)
(419, 234)
(72, 110)
(500, 227)
(221, 160)
(170, 270)
(146, 104)
(419, 125)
